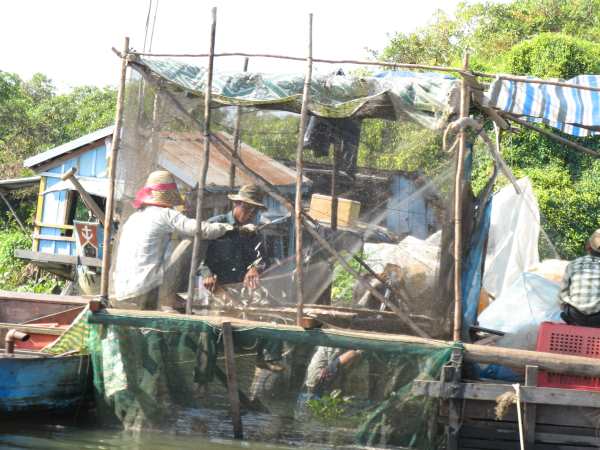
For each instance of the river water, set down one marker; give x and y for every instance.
(50, 435)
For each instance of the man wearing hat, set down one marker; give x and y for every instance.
(144, 241)
(580, 289)
(237, 257)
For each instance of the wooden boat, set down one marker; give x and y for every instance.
(30, 380)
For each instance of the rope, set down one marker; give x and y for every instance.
(517, 388)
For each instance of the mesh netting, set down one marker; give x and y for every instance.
(169, 374)
(380, 153)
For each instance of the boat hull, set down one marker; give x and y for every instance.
(43, 384)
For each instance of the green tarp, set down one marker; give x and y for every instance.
(428, 98)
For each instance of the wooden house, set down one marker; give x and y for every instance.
(59, 204)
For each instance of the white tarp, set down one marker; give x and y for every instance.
(530, 300)
(513, 238)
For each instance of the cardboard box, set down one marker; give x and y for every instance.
(347, 210)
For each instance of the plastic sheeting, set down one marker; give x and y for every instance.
(513, 238)
(426, 98)
(522, 307)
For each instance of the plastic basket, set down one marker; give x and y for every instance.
(569, 340)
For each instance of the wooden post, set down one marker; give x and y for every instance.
(232, 384)
(114, 149)
(464, 112)
(13, 212)
(334, 199)
(299, 173)
(204, 168)
(451, 376)
(85, 196)
(236, 135)
(531, 376)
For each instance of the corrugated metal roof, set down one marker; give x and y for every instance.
(182, 155)
(18, 183)
(68, 147)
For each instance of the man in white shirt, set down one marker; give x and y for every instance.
(144, 240)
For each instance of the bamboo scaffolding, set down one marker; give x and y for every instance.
(299, 272)
(458, 183)
(303, 59)
(203, 170)
(236, 133)
(108, 213)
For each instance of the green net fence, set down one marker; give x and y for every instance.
(329, 389)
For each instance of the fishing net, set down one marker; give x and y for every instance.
(382, 261)
(169, 374)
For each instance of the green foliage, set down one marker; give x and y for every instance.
(15, 274)
(553, 55)
(330, 407)
(33, 117)
(343, 282)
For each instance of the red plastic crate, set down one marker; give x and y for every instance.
(569, 340)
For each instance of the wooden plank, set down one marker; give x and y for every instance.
(32, 329)
(49, 237)
(54, 225)
(531, 374)
(232, 384)
(74, 300)
(59, 259)
(490, 391)
(552, 415)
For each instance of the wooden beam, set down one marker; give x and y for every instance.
(50, 237)
(232, 384)
(85, 196)
(58, 259)
(54, 225)
(491, 391)
(351, 339)
(531, 377)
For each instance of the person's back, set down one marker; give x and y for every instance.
(580, 289)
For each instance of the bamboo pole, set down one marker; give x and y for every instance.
(114, 149)
(236, 135)
(353, 339)
(300, 58)
(13, 212)
(556, 137)
(232, 383)
(464, 112)
(204, 168)
(334, 198)
(227, 151)
(299, 176)
(536, 81)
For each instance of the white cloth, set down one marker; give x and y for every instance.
(143, 246)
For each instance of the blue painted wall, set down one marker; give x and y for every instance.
(54, 210)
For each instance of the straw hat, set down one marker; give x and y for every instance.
(160, 190)
(595, 241)
(250, 194)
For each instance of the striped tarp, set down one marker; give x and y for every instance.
(571, 110)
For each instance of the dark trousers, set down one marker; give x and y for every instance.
(572, 316)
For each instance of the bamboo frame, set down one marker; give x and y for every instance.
(299, 272)
(114, 149)
(236, 134)
(462, 137)
(204, 168)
